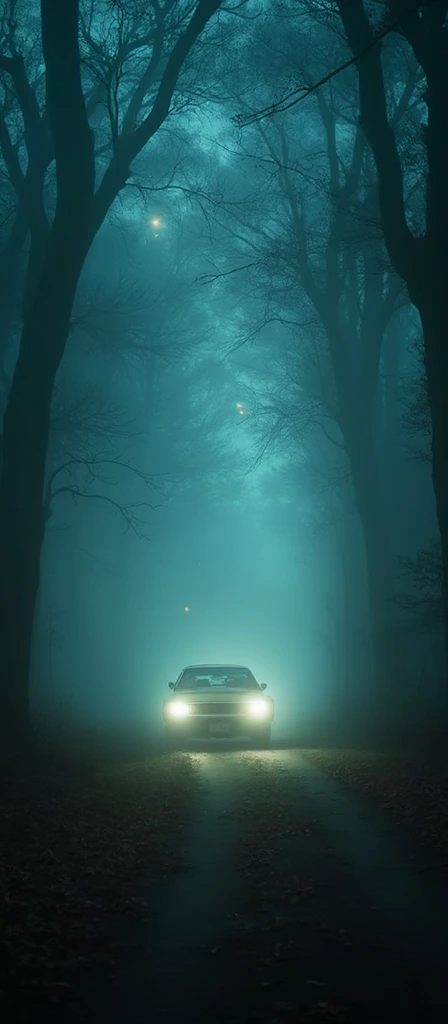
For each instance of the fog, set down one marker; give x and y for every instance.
(239, 461)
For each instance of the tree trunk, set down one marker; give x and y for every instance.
(370, 505)
(25, 440)
(347, 626)
(434, 323)
(356, 393)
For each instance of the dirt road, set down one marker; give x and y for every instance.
(299, 902)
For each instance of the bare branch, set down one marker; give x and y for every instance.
(303, 91)
(128, 512)
(129, 146)
(291, 99)
(93, 468)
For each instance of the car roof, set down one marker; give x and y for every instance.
(210, 664)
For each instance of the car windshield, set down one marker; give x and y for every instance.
(217, 678)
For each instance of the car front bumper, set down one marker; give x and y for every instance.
(216, 726)
(215, 718)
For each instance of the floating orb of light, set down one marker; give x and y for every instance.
(155, 222)
(187, 609)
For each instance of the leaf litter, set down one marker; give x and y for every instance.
(77, 854)
(412, 789)
(268, 915)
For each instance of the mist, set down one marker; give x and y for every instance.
(223, 510)
(240, 423)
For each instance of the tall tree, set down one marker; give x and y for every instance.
(319, 248)
(57, 255)
(421, 259)
(354, 300)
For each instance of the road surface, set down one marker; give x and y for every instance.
(299, 902)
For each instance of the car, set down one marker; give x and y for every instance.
(217, 701)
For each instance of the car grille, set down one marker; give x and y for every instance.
(215, 708)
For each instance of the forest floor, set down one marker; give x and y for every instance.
(413, 788)
(81, 838)
(281, 886)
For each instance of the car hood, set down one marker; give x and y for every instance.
(220, 696)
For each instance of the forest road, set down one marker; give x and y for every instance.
(300, 901)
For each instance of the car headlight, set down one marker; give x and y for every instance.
(178, 709)
(259, 708)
